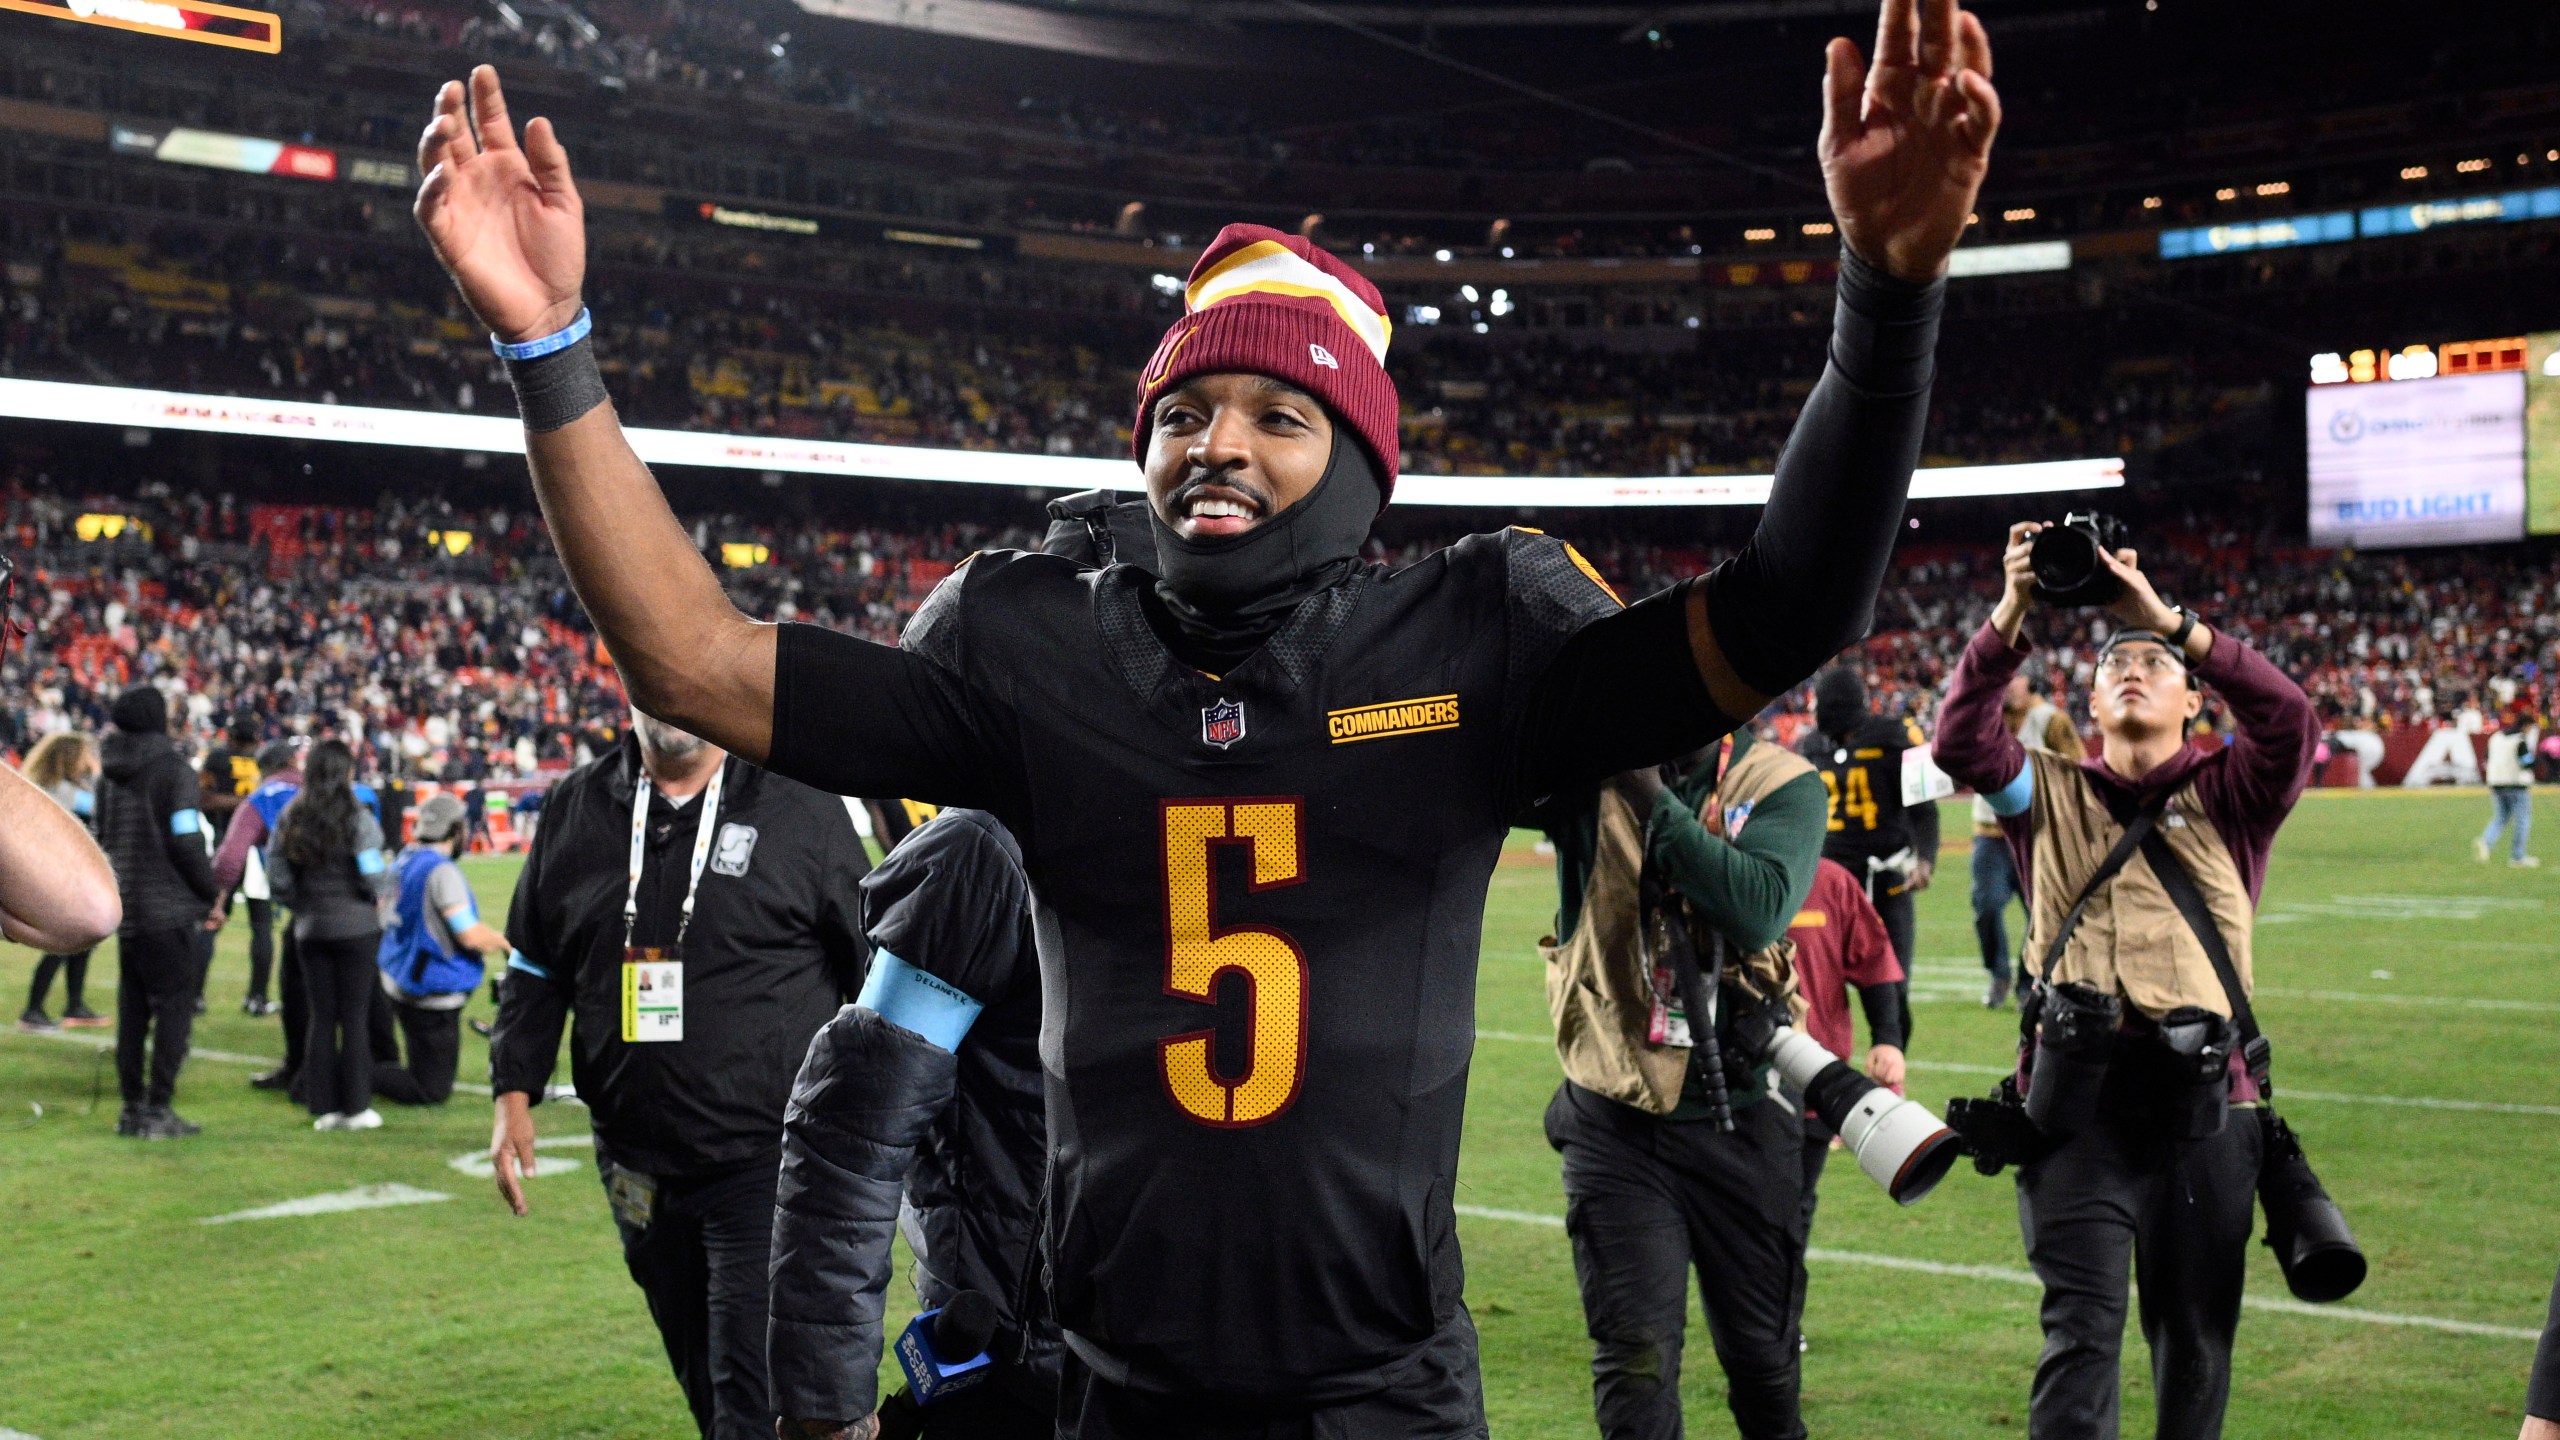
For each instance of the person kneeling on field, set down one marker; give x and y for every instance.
(430, 957)
(1679, 1153)
(2136, 1049)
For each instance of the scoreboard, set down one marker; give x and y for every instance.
(2451, 444)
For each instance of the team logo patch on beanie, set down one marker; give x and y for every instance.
(1264, 303)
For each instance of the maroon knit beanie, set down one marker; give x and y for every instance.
(1265, 303)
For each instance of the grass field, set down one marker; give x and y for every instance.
(2392, 967)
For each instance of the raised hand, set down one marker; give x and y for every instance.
(505, 220)
(1905, 143)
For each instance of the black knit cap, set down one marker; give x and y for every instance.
(140, 711)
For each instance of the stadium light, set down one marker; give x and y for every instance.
(130, 408)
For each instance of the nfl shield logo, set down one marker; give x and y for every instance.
(1222, 724)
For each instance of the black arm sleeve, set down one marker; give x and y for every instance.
(863, 1099)
(1888, 1008)
(856, 718)
(533, 1005)
(2542, 1389)
(1625, 689)
(1623, 692)
(1805, 585)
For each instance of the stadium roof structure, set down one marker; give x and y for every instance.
(138, 409)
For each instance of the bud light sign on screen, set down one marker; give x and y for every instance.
(2418, 462)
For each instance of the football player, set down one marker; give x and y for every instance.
(1891, 847)
(1259, 792)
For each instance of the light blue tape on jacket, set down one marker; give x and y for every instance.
(186, 822)
(913, 1000)
(516, 961)
(369, 862)
(84, 802)
(2014, 797)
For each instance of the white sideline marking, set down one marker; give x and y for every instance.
(1953, 1067)
(8, 1434)
(2357, 997)
(234, 1057)
(363, 1197)
(477, 1162)
(2009, 1276)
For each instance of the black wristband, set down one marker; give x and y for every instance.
(559, 387)
(2186, 627)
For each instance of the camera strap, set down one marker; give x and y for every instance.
(2256, 1052)
(2131, 840)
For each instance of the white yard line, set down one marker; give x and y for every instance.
(2009, 1276)
(363, 1197)
(2283, 1093)
(1928, 973)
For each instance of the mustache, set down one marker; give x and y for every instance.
(1226, 479)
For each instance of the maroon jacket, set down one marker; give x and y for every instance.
(2247, 787)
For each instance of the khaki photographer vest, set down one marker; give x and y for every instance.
(1599, 984)
(2131, 941)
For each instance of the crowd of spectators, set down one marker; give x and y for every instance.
(685, 346)
(447, 641)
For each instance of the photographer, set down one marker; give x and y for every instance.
(430, 958)
(2039, 724)
(1652, 1192)
(2144, 1162)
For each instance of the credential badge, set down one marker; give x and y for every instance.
(1222, 724)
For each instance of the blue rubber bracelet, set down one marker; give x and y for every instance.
(556, 341)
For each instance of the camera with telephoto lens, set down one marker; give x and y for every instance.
(1898, 1142)
(2315, 1249)
(2065, 560)
(2075, 1041)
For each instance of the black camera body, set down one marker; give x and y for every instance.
(2065, 558)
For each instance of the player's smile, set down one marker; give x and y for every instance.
(1212, 507)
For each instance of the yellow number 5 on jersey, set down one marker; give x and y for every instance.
(1197, 952)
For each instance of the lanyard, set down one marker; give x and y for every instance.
(640, 791)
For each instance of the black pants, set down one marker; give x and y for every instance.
(262, 946)
(1901, 916)
(155, 991)
(74, 969)
(338, 976)
(1441, 1399)
(1647, 1200)
(435, 1052)
(296, 1006)
(2182, 1208)
(1815, 1154)
(701, 1261)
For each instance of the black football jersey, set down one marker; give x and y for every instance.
(1258, 904)
(1864, 776)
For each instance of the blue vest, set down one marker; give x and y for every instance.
(411, 954)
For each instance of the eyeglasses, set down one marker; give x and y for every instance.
(2147, 660)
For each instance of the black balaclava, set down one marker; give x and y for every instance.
(1839, 701)
(1229, 595)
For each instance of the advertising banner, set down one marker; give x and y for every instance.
(2418, 462)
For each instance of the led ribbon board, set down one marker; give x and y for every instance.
(261, 31)
(216, 150)
(427, 430)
